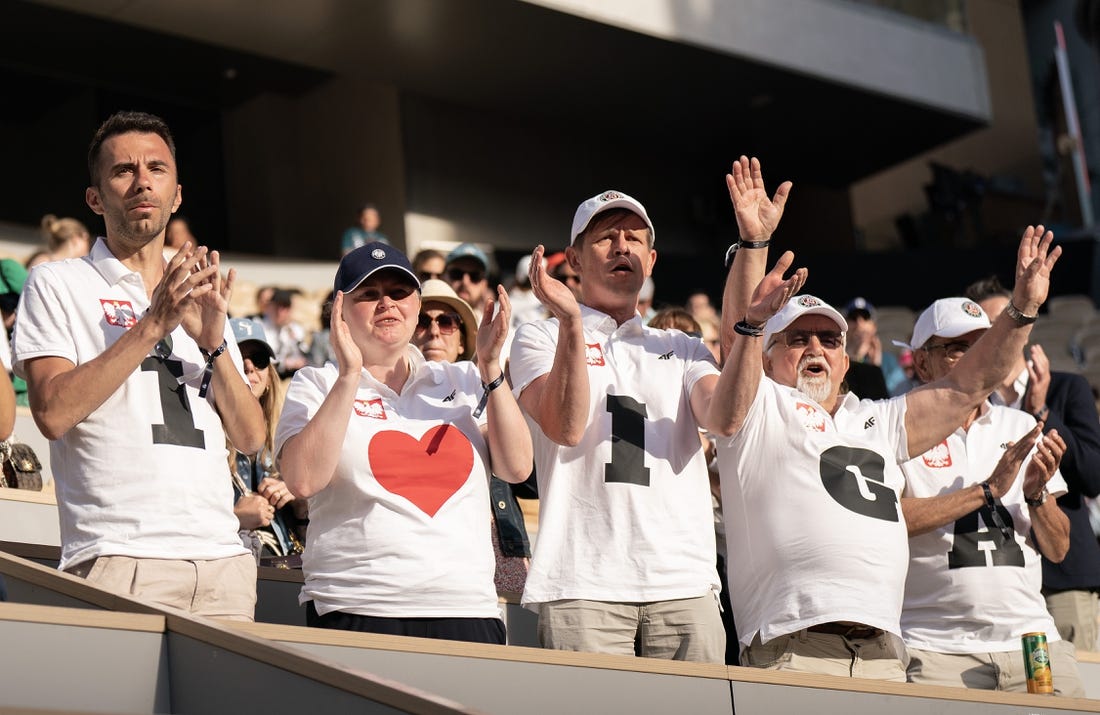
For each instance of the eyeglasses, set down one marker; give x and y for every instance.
(951, 351)
(260, 359)
(455, 275)
(447, 322)
(427, 275)
(800, 339)
(396, 292)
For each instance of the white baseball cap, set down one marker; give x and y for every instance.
(605, 202)
(948, 318)
(795, 308)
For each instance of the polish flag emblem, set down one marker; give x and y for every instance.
(938, 457)
(812, 419)
(370, 408)
(593, 354)
(119, 313)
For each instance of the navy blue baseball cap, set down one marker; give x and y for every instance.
(367, 260)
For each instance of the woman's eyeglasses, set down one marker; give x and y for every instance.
(428, 275)
(447, 322)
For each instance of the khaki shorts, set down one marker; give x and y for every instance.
(683, 629)
(995, 671)
(218, 588)
(805, 651)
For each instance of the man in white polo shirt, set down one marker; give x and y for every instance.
(810, 480)
(980, 507)
(136, 379)
(624, 560)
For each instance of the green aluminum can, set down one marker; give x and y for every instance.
(1037, 663)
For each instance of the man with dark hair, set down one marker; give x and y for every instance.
(1062, 401)
(136, 379)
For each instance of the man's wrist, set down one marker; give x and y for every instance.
(1041, 414)
(1038, 500)
(742, 243)
(1020, 316)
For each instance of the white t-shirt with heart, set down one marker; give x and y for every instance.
(402, 530)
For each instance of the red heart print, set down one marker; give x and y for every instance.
(427, 471)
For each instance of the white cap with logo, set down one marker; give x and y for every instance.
(795, 308)
(948, 318)
(605, 202)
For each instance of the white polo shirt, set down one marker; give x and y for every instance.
(625, 515)
(145, 474)
(968, 590)
(402, 530)
(814, 530)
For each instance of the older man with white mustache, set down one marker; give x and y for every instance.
(817, 542)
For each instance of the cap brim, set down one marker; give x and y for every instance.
(404, 271)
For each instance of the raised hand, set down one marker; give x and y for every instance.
(551, 292)
(774, 290)
(1008, 466)
(493, 330)
(1034, 261)
(205, 316)
(182, 284)
(1047, 457)
(757, 215)
(349, 359)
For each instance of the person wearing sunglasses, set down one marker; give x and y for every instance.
(980, 507)
(811, 479)
(446, 330)
(394, 453)
(468, 273)
(272, 520)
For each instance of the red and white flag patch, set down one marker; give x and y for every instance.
(370, 408)
(593, 354)
(119, 313)
(938, 457)
(812, 418)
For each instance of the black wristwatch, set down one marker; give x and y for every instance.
(1039, 500)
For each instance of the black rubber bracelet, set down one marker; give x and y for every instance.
(743, 244)
(988, 495)
(485, 395)
(744, 327)
(208, 372)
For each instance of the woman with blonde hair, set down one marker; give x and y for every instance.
(271, 520)
(65, 238)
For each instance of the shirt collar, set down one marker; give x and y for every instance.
(596, 321)
(101, 258)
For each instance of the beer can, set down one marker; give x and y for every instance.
(1037, 663)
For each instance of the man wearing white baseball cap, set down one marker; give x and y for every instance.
(817, 543)
(624, 560)
(970, 503)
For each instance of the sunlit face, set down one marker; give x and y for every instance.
(938, 357)
(613, 257)
(137, 188)
(382, 311)
(468, 278)
(817, 370)
(432, 267)
(439, 333)
(256, 362)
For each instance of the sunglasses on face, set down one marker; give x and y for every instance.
(427, 275)
(455, 275)
(261, 359)
(447, 322)
(800, 339)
